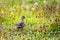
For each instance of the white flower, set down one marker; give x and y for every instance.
(44, 1)
(11, 13)
(12, 8)
(35, 3)
(3, 12)
(33, 8)
(30, 31)
(27, 6)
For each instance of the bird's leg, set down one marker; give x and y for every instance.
(21, 29)
(17, 29)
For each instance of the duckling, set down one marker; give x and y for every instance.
(21, 24)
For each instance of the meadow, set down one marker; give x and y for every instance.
(42, 18)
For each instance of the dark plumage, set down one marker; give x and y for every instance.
(21, 24)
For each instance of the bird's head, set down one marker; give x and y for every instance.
(23, 17)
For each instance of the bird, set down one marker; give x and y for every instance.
(21, 24)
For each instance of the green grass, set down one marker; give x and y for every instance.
(11, 12)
